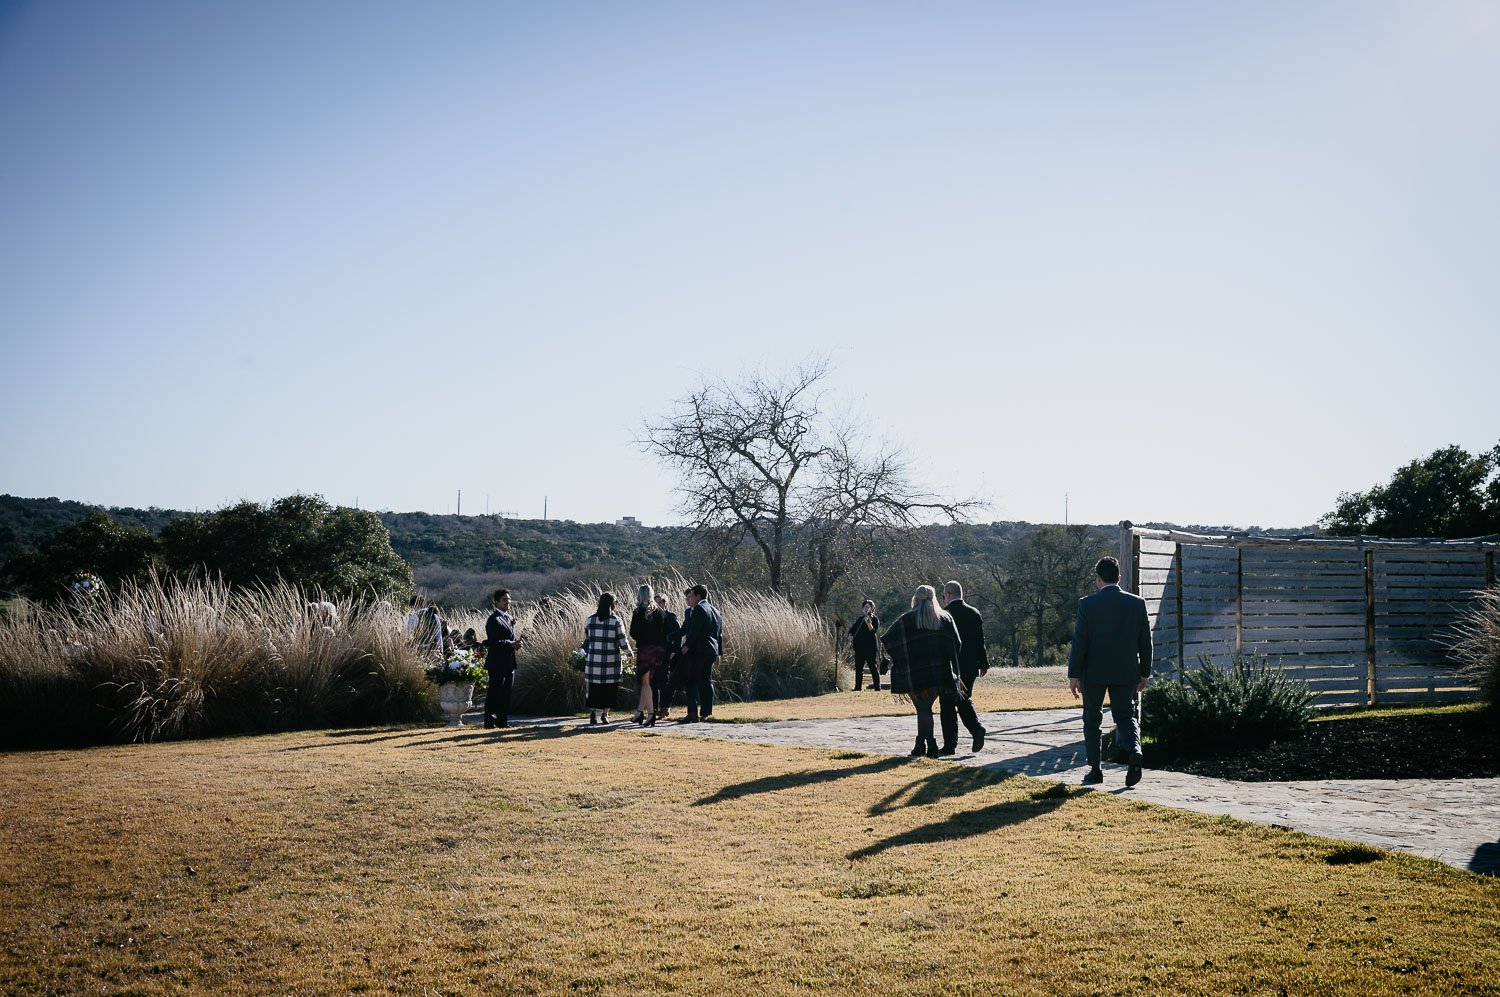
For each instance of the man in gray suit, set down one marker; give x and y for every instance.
(1111, 654)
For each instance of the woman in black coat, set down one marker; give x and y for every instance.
(651, 627)
(924, 648)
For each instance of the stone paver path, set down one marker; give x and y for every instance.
(1456, 821)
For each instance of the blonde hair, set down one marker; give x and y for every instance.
(643, 598)
(929, 615)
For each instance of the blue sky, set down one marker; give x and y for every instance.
(1192, 262)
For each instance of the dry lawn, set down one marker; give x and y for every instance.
(999, 689)
(437, 861)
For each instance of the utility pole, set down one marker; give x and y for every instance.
(486, 503)
(460, 501)
(544, 508)
(1065, 510)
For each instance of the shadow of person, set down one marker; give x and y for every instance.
(970, 823)
(791, 780)
(950, 781)
(1486, 860)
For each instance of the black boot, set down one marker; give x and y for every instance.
(932, 748)
(920, 748)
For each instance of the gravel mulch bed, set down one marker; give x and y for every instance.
(1383, 746)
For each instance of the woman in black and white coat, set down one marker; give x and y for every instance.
(605, 643)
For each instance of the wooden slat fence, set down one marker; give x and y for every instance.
(1360, 621)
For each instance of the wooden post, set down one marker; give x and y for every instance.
(1489, 569)
(1181, 636)
(1128, 546)
(1370, 674)
(1239, 601)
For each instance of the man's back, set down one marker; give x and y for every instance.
(1111, 639)
(970, 626)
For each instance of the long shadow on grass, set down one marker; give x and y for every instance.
(334, 742)
(792, 780)
(972, 823)
(950, 781)
(1486, 860)
(510, 735)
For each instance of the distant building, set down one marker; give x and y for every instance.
(629, 521)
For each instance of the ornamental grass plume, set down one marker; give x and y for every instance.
(1475, 644)
(171, 658)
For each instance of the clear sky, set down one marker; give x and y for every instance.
(1207, 263)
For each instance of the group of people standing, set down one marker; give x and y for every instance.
(669, 656)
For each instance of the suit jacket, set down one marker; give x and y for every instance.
(1111, 639)
(499, 659)
(702, 632)
(972, 655)
(865, 639)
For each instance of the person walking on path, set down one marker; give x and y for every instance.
(973, 657)
(1111, 654)
(702, 642)
(651, 633)
(501, 639)
(605, 644)
(925, 652)
(864, 636)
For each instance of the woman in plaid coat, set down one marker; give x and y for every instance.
(924, 647)
(604, 644)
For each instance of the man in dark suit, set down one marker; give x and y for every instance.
(1111, 654)
(502, 640)
(973, 659)
(702, 640)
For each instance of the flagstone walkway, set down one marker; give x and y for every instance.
(1456, 821)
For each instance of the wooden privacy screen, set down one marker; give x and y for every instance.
(1360, 621)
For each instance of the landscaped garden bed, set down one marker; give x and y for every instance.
(1444, 742)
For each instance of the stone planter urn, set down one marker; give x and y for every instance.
(455, 698)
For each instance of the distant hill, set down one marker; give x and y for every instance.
(26, 522)
(475, 543)
(491, 544)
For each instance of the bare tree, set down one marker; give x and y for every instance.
(863, 502)
(758, 462)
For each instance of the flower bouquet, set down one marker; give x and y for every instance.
(460, 666)
(578, 659)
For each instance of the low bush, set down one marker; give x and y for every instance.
(1475, 644)
(168, 659)
(1211, 710)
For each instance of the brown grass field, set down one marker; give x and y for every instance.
(536, 861)
(999, 689)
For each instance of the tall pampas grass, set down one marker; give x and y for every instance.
(1475, 644)
(170, 659)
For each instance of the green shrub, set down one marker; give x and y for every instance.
(1210, 710)
(1476, 644)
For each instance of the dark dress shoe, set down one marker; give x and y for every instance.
(947, 750)
(919, 749)
(488, 725)
(689, 719)
(978, 742)
(932, 750)
(1133, 773)
(1094, 778)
